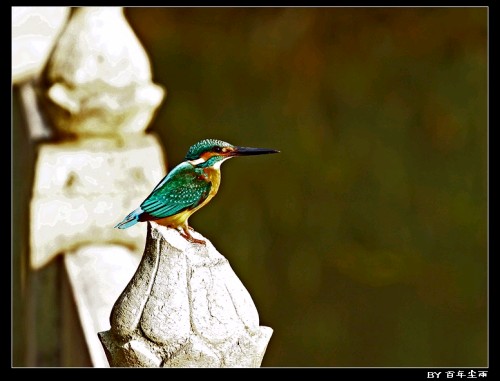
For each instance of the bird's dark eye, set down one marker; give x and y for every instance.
(217, 149)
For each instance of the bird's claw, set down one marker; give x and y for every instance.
(191, 239)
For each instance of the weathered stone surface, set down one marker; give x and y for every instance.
(186, 305)
(97, 81)
(165, 318)
(83, 188)
(134, 353)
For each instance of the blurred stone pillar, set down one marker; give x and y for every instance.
(35, 294)
(96, 162)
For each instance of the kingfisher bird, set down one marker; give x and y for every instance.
(188, 187)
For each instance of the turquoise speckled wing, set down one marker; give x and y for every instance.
(183, 188)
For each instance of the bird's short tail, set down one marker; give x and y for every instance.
(130, 220)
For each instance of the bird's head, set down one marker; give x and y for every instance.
(212, 153)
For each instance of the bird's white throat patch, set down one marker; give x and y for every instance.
(218, 164)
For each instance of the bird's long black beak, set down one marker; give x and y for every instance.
(247, 151)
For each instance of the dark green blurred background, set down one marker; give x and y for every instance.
(364, 242)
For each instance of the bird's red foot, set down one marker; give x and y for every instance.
(191, 239)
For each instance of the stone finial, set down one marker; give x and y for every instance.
(184, 307)
(97, 81)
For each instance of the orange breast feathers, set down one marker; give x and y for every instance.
(213, 175)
